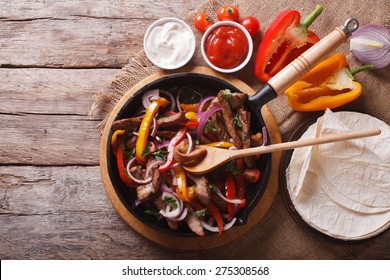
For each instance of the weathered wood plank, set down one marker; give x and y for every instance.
(48, 140)
(51, 91)
(28, 9)
(78, 34)
(76, 43)
(63, 213)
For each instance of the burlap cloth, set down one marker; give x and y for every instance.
(277, 236)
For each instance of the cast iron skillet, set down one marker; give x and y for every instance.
(277, 84)
(212, 86)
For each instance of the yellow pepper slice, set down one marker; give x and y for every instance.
(181, 178)
(114, 139)
(144, 128)
(220, 144)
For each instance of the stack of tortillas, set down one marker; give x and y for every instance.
(343, 189)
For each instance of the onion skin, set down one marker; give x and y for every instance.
(370, 44)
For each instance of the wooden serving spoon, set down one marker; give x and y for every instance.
(216, 156)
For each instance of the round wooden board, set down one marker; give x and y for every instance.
(209, 241)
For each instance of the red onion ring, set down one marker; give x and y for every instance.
(150, 166)
(149, 96)
(234, 200)
(154, 129)
(181, 217)
(202, 121)
(175, 213)
(202, 102)
(215, 229)
(170, 97)
(191, 145)
(165, 188)
(138, 181)
(162, 145)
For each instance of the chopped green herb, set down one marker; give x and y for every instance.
(128, 155)
(160, 154)
(171, 201)
(226, 93)
(231, 167)
(146, 151)
(209, 126)
(236, 121)
(201, 213)
(153, 213)
(196, 142)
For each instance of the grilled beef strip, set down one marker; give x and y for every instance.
(160, 205)
(202, 191)
(218, 122)
(147, 191)
(128, 124)
(237, 100)
(193, 222)
(177, 119)
(244, 132)
(228, 120)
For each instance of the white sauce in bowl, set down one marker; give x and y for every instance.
(169, 43)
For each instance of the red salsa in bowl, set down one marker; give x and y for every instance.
(227, 47)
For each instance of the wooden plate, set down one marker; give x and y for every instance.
(182, 241)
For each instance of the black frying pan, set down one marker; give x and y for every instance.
(213, 85)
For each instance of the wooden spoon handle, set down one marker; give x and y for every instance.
(305, 142)
(306, 61)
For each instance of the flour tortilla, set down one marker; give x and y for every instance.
(337, 210)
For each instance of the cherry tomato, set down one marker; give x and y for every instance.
(228, 13)
(251, 24)
(202, 22)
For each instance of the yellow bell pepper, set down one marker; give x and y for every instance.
(144, 128)
(181, 178)
(221, 144)
(328, 85)
(114, 139)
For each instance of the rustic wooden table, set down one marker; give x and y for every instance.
(54, 56)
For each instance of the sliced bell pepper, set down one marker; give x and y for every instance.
(172, 144)
(189, 107)
(285, 39)
(193, 120)
(181, 178)
(328, 85)
(230, 189)
(143, 132)
(240, 182)
(121, 165)
(217, 216)
(220, 144)
(114, 139)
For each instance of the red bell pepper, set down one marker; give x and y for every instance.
(121, 165)
(217, 216)
(240, 182)
(172, 144)
(230, 190)
(285, 39)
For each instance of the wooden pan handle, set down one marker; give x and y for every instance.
(301, 65)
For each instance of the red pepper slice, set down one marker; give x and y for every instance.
(121, 165)
(172, 144)
(285, 39)
(217, 216)
(240, 182)
(192, 124)
(230, 189)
